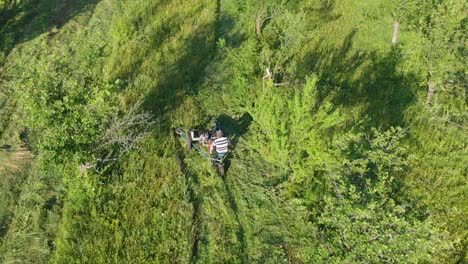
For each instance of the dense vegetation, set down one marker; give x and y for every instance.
(348, 146)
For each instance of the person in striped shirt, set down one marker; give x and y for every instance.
(221, 144)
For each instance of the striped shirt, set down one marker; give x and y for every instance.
(221, 145)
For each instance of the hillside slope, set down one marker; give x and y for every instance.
(339, 152)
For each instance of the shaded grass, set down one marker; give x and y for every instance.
(165, 204)
(31, 18)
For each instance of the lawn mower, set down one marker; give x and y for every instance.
(198, 138)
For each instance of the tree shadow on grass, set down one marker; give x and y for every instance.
(184, 77)
(187, 76)
(28, 19)
(225, 28)
(178, 80)
(323, 12)
(356, 78)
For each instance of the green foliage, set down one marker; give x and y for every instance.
(295, 125)
(438, 49)
(366, 217)
(312, 95)
(65, 108)
(435, 50)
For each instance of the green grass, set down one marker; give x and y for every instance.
(194, 61)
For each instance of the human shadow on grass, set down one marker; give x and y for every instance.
(234, 129)
(30, 18)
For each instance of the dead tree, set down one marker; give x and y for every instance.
(278, 71)
(123, 134)
(126, 131)
(396, 29)
(259, 22)
(261, 17)
(85, 166)
(431, 87)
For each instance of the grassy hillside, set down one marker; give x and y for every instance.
(339, 152)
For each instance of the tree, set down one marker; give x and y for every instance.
(440, 26)
(9, 4)
(366, 217)
(5, 7)
(122, 135)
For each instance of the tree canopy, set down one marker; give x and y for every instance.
(346, 121)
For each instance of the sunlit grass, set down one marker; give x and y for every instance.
(163, 203)
(13, 160)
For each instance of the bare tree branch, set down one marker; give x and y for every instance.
(124, 134)
(260, 19)
(396, 29)
(431, 87)
(268, 74)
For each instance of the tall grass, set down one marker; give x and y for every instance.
(297, 141)
(12, 161)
